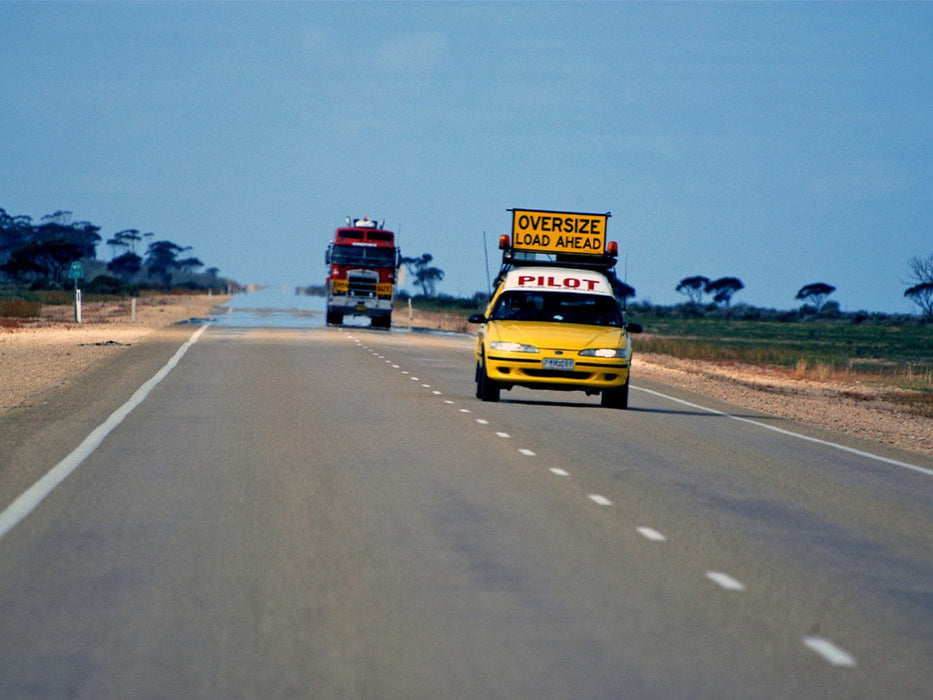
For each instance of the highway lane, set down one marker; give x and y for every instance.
(329, 512)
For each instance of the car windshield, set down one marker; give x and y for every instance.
(559, 307)
(363, 255)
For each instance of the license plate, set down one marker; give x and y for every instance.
(555, 363)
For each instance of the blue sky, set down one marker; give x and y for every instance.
(780, 143)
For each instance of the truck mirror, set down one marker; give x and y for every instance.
(634, 327)
(477, 318)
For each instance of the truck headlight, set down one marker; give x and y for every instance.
(506, 346)
(605, 352)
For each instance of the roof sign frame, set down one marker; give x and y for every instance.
(559, 232)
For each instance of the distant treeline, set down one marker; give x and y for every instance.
(40, 256)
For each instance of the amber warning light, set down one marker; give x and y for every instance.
(558, 232)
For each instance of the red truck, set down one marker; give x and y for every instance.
(363, 263)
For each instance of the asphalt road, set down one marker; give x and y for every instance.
(330, 513)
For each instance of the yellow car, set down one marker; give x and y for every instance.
(554, 328)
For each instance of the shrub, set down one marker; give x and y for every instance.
(105, 284)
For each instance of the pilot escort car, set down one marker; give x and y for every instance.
(555, 324)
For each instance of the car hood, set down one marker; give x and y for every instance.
(557, 336)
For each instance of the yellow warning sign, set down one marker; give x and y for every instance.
(537, 231)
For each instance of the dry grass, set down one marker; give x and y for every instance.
(19, 308)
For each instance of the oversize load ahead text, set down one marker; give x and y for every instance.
(558, 232)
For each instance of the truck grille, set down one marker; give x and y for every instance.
(362, 284)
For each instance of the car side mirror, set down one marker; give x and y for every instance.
(634, 327)
(477, 318)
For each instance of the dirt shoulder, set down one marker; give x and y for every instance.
(863, 410)
(37, 355)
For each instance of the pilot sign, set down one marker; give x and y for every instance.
(558, 232)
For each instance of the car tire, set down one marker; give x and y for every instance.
(486, 389)
(615, 398)
(334, 319)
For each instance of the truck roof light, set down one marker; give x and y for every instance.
(612, 248)
(504, 242)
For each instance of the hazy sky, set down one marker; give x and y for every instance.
(780, 143)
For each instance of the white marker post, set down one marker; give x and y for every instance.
(77, 273)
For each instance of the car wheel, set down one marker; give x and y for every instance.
(486, 389)
(615, 398)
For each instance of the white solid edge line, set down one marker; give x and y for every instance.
(829, 651)
(27, 502)
(782, 431)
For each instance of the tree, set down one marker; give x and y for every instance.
(922, 296)
(188, 264)
(622, 290)
(921, 269)
(816, 292)
(162, 259)
(723, 289)
(42, 260)
(125, 266)
(126, 239)
(58, 226)
(921, 292)
(693, 288)
(424, 275)
(14, 232)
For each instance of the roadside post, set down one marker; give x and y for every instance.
(77, 273)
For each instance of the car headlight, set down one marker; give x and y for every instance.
(605, 352)
(506, 346)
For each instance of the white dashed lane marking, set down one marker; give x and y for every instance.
(652, 535)
(725, 581)
(829, 651)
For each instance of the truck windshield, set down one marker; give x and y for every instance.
(559, 307)
(362, 255)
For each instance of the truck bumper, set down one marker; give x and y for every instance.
(360, 306)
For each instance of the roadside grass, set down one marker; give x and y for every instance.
(19, 308)
(898, 356)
